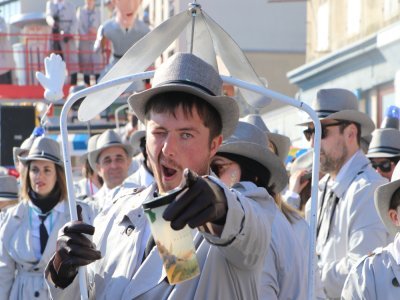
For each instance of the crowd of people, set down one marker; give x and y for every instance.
(247, 213)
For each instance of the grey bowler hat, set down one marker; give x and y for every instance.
(185, 72)
(281, 142)
(249, 141)
(8, 188)
(43, 148)
(107, 139)
(383, 196)
(23, 149)
(385, 142)
(341, 104)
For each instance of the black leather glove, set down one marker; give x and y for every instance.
(200, 202)
(73, 250)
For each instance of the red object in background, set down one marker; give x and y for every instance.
(9, 91)
(13, 172)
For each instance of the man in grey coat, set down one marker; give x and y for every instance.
(348, 226)
(186, 118)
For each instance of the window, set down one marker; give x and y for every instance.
(353, 16)
(323, 27)
(390, 9)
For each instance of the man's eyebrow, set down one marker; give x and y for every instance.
(188, 129)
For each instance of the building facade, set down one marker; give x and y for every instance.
(354, 45)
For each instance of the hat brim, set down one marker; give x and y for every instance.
(383, 195)
(27, 159)
(11, 198)
(381, 155)
(225, 106)
(265, 157)
(93, 155)
(367, 125)
(282, 144)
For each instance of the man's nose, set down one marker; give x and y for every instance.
(169, 148)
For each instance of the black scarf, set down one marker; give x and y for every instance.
(47, 203)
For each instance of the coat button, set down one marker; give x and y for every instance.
(395, 282)
(36, 294)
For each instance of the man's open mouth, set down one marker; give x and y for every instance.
(168, 172)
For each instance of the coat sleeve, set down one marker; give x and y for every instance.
(72, 292)
(247, 231)
(365, 233)
(360, 283)
(7, 263)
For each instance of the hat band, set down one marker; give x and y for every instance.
(325, 113)
(190, 83)
(385, 149)
(43, 155)
(8, 195)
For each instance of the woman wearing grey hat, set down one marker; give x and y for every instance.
(244, 163)
(30, 229)
(377, 275)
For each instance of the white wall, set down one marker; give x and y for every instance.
(257, 25)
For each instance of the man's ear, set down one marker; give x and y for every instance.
(352, 132)
(215, 143)
(394, 217)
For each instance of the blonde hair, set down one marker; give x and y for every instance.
(291, 214)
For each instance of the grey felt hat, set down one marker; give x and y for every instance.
(107, 139)
(340, 104)
(43, 148)
(249, 141)
(135, 139)
(185, 72)
(385, 142)
(383, 196)
(8, 188)
(91, 147)
(281, 142)
(23, 149)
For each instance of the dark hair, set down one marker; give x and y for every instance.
(89, 172)
(170, 101)
(251, 170)
(61, 182)
(347, 123)
(395, 200)
(395, 159)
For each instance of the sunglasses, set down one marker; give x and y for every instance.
(324, 132)
(384, 166)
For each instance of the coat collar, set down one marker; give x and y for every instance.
(357, 165)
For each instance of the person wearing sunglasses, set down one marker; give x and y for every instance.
(348, 226)
(384, 151)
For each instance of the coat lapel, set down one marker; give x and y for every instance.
(149, 275)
